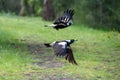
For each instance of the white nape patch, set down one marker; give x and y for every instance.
(52, 25)
(68, 41)
(53, 43)
(63, 44)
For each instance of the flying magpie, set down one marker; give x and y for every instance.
(63, 21)
(63, 48)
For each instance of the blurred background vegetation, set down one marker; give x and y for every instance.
(99, 14)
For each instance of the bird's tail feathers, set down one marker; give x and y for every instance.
(47, 44)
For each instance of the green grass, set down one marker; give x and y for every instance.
(97, 52)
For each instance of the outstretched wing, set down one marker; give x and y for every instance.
(65, 19)
(70, 56)
(60, 48)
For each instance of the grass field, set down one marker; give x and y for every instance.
(23, 56)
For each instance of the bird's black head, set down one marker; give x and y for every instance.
(69, 23)
(72, 41)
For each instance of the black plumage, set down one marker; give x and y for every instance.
(63, 21)
(63, 48)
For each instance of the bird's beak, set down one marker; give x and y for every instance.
(76, 40)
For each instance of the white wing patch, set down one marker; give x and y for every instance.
(53, 43)
(52, 25)
(63, 44)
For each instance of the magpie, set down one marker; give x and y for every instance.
(63, 21)
(63, 48)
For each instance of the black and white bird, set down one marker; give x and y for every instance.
(62, 48)
(64, 21)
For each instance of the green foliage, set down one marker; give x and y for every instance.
(36, 6)
(60, 5)
(10, 6)
(98, 13)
